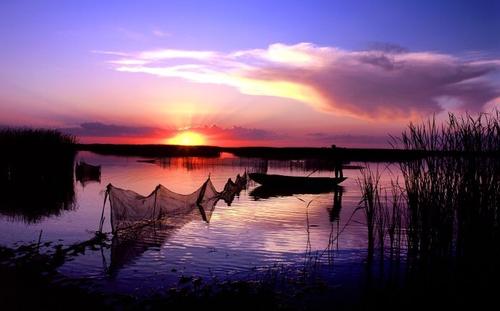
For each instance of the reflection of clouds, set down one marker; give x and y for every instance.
(277, 227)
(377, 83)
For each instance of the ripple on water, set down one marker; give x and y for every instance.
(247, 235)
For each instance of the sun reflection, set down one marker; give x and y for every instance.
(187, 138)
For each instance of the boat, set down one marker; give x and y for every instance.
(283, 181)
(86, 173)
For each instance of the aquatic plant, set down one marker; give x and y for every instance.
(449, 205)
(36, 172)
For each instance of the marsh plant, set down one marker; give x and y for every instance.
(383, 211)
(36, 172)
(449, 204)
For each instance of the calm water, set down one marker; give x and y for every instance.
(251, 234)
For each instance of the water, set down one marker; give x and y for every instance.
(250, 235)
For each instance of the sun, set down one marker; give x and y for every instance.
(187, 138)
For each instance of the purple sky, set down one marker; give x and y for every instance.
(245, 72)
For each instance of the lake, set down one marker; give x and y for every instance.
(251, 235)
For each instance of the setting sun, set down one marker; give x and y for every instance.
(187, 138)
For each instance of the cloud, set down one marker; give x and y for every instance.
(160, 33)
(237, 133)
(101, 132)
(213, 132)
(97, 129)
(385, 81)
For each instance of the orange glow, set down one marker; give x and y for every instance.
(187, 138)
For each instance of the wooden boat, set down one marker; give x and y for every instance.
(86, 173)
(282, 181)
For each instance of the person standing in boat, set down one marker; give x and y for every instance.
(338, 170)
(338, 165)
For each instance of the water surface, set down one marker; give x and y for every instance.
(251, 234)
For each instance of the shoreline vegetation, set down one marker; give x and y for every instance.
(443, 216)
(36, 173)
(275, 153)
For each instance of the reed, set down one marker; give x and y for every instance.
(444, 219)
(449, 205)
(452, 198)
(395, 220)
(383, 213)
(36, 172)
(370, 190)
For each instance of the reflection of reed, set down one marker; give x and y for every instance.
(312, 259)
(36, 173)
(200, 163)
(308, 252)
(257, 165)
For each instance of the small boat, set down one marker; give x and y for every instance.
(282, 181)
(86, 173)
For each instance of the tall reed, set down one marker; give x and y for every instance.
(383, 213)
(449, 205)
(36, 172)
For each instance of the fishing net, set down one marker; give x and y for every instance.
(231, 189)
(130, 209)
(241, 181)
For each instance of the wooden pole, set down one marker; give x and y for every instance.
(101, 222)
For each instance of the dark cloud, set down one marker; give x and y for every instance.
(387, 47)
(378, 84)
(97, 129)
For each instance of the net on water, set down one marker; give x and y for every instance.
(130, 209)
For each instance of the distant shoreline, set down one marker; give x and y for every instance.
(284, 153)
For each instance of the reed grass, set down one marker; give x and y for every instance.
(383, 213)
(30, 138)
(449, 205)
(36, 172)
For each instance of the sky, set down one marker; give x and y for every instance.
(236, 73)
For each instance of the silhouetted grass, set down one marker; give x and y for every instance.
(454, 202)
(449, 205)
(36, 172)
(32, 138)
(383, 213)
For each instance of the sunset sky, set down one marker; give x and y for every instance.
(274, 73)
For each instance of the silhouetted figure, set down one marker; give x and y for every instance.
(338, 164)
(338, 170)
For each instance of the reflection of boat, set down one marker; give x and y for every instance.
(86, 173)
(282, 181)
(265, 192)
(334, 211)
